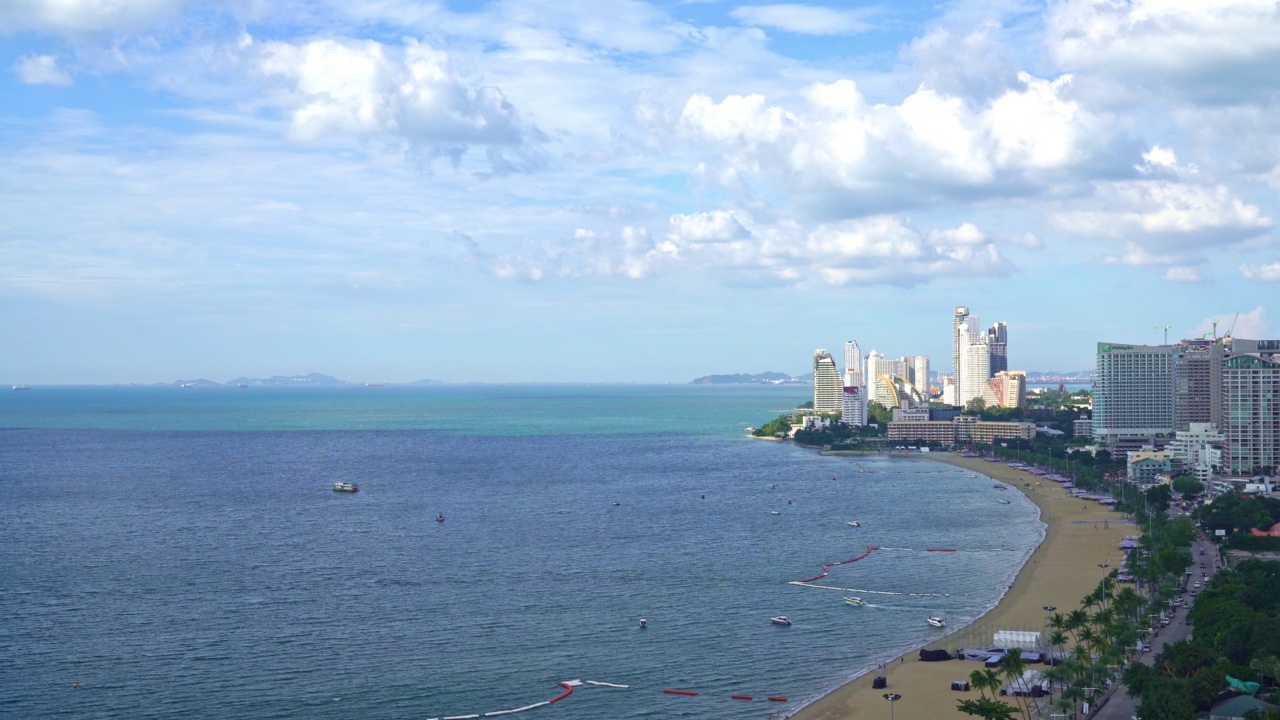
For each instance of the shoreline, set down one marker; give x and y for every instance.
(1060, 570)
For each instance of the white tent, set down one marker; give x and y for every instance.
(1023, 639)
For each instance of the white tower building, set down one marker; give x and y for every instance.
(828, 390)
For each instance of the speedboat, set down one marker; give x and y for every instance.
(936, 622)
(774, 512)
(1006, 502)
(780, 620)
(854, 523)
(854, 601)
(345, 487)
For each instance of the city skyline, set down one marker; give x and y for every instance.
(623, 190)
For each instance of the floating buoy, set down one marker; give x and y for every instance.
(777, 698)
(75, 684)
(669, 691)
(740, 696)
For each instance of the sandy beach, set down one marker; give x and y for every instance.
(1059, 573)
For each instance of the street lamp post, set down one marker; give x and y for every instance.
(892, 698)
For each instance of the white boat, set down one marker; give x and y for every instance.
(774, 512)
(21, 387)
(854, 523)
(936, 622)
(780, 620)
(1006, 502)
(854, 601)
(345, 487)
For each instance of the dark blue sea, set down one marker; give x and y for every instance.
(180, 553)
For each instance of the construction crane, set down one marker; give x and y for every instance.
(1233, 325)
(1166, 329)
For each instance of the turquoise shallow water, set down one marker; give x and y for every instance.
(180, 554)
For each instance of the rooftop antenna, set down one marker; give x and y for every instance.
(1166, 329)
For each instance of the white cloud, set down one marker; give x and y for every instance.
(1168, 212)
(714, 226)
(803, 19)
(1262, 273)
(41, 70)
(84, 16)
(1251, 325)
(1028, 240)
(879, 156)
(1136, 255)
(365, 87)
(1213, 48)
(1182, 274)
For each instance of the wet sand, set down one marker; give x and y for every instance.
(1061, 571)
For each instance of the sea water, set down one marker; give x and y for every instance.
(180, 553)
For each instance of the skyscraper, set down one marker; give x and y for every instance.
(998, 344)
(1006, 389)
(975, 364)
(828, 390)
(1197, 382)
(1133, 393)
(920, 374)
(1251, 389)
(853, 408)
(875, 361)
(959, 320)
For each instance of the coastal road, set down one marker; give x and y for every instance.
(1122, 707)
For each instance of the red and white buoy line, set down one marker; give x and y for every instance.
(826, 570)
(568, 686)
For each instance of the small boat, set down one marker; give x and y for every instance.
(936, 622)
(774, 512)
(616, 504)
(644, 623)
(21, 387)
(440, 517)
(345, 487)
(854, 601)
(854, 523)
(1006, 502)
(780, 620)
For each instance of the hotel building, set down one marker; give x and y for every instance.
(828, 390)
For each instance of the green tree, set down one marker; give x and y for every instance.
(988, 708)
(1186, 486)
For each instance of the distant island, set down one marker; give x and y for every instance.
(764, 378)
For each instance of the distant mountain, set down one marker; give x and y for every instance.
(196, 383)
(764, 378)
(308, 379)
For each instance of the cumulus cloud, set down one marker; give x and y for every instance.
(41, 70)
(1261, 273)
(877, 250)
(1165, 212)
(630, 252)
(835, 140)
(1183, 274)
(84, 16)
(803, 19)
(1251, 325)
(410, 92)
(1220, 49)
(1136, 255)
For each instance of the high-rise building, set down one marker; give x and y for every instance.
(1197, 382)
(853, 358)
(875, 367)
(998, 345)
(959, 321)
(1006, 389)
(920, 374)
(853, 407)
(828, 390)
(1133, 393)
(975, 362)
(1251, 390)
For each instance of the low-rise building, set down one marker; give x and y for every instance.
(1145, 464)
(1082, 427)
(965, 428)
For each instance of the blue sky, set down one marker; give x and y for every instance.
(623, 190)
